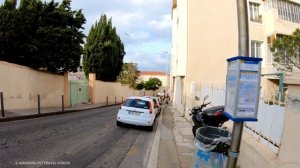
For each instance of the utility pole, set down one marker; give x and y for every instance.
(167, 76)
(243, 30)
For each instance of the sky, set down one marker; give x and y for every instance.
(143, 25)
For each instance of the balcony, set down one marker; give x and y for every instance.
(287, 10)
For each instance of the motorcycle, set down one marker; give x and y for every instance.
(213, 117)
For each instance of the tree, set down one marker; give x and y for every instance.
(286, 51)
(103, 51)
(40, 35)
(152, 84)
(139, 86)
(129, 74)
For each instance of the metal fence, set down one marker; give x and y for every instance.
(267, 130)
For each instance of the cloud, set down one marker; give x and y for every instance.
(143, 25)
(163, 22)
(155, 62)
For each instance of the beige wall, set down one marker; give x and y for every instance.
(179, 38)
(212, 38)
(112, 90)
(290, 147)
(21, 85)
(99, 90)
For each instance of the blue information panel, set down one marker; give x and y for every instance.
(242, 88)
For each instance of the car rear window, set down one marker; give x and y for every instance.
(137, 103)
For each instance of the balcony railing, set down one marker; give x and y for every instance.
(287, 10)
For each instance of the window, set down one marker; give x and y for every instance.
(254, 12)
(287, 10)
(137, 103)
(256, 49)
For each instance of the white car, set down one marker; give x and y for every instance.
(157, 104)
(137, 111)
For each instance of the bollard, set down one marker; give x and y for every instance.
(39, 104)
(122, 99)
(62, 103)
(2, 104)
(115, 100)
(107, 100)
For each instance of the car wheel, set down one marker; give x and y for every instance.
(150, 128)
(119, 124)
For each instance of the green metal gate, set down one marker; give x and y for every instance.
(79, 91)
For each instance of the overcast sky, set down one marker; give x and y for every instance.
(143, 25)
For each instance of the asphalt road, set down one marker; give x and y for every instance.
(83, 139)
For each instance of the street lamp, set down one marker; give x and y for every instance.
(167, 76)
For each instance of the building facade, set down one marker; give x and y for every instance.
(205, 34)
(162, 76)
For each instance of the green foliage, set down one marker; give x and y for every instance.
(286, 51)
(40, 35)
(140, 86)
(103, 51)
(152, 84)
(129, 74)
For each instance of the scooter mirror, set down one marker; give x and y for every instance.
(206, 97)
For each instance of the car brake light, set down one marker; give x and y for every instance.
(150, 104)
(122, 104)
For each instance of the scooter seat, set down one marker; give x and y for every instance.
(210, 111)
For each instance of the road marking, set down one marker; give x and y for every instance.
(132, 151)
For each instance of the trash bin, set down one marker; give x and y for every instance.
(211, 144)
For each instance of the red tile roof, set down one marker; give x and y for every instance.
(153, 73)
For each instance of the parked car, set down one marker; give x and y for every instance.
(138, 111)
(157, 104)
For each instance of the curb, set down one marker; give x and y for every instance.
(152, 161)
(31, 116)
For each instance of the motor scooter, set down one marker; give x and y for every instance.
(213, 116)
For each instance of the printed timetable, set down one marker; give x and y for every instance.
(249, 75)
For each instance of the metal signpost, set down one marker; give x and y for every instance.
(243, 32)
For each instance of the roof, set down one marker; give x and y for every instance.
(152, 73)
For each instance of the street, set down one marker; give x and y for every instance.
(82, 139)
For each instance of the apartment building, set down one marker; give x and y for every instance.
(205, 34)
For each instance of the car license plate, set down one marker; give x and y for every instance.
(134, 113)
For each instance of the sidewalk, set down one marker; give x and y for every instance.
(16, 114)
(176, 141)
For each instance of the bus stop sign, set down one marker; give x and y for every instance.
(242, 88)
